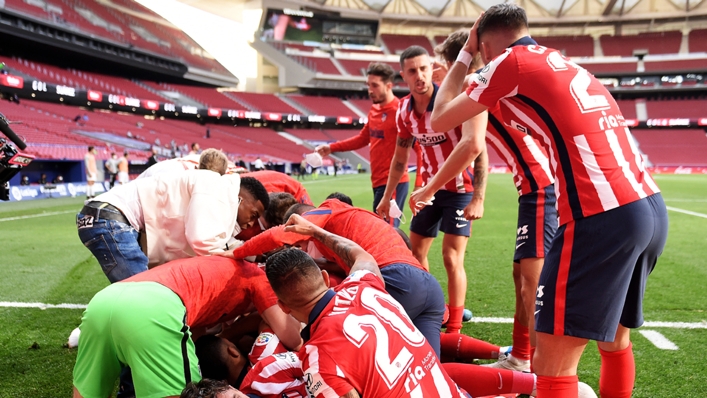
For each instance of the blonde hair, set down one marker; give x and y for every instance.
(214, 160)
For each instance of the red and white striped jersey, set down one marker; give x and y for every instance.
(362, 339)
(276, 376)
(522, 153)
(265, 345)
(435, 146)
(592, 152)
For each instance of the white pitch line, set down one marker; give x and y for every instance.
(51, 213)
(686, 200)
(658, 340)
(692, 213)
(15, 304)
(476, 319)
(651, 324)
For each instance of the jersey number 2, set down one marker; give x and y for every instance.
(358, 328)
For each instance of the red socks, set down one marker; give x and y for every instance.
(618, 373)
(465, 348)
(557, 387)
(521, 340)
(480, 381)
(454, 324)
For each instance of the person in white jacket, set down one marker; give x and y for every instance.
(210, 159)
(181, 214)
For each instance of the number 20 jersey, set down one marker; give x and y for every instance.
(596, 163)
(363, 339)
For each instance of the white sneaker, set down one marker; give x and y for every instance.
(511, 363)
(585, 391)
(74, 338)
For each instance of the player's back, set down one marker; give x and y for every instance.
(274, 181)
(364, 340)
(526, 158)
(365, 228)
(595, 160)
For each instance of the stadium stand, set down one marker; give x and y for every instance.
(677, 65)
(667, 42)
(628, 108)
(325, 106)
(79, 79)
(673, 147)
(697, 40)
(571, 46)
(364, 105)
(262, 102)
(677, 108)
(397, 43)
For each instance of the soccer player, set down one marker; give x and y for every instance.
(460, 202)
(380, 132)
(112, 167)
(123, 169)
(91, 171)
(406, 280)
(146, 322)
(612, 219)
(274, 181)
(537, 216)
(358, 339)
(210, 159)
(186, 214)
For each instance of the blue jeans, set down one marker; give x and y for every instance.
(115, 245)
(401, 193)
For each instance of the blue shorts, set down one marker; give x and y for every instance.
(446, 214)
(400, 194)
(595, 274)
(537, 224)
(421, 296)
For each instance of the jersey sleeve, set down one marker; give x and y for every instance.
(356, 142)
(323, 376)
(497, 80)
(267, 241)
(366, 277)
(276, 376)
(261, 292)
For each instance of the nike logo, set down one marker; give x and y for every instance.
(536, 312)
(500, 381)
(519, 245)
(461, 225)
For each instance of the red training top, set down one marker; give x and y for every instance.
(213, 289)
(382, 134)
(274, 181)
(369, 231)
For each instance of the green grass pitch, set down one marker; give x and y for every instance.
(43, 261)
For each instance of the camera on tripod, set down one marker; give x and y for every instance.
(11, 160)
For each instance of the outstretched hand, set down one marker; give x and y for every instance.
(300, 225)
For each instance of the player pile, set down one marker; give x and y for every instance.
(334, 300)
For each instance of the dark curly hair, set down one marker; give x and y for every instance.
(280, 202)
(342, 197)
(206, 388)
(256, 189)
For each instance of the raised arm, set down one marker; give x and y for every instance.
(350, 253)
(469, 147)
(452, 106)
(475, 209)
(349, 144)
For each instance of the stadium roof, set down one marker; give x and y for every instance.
(540, 12)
